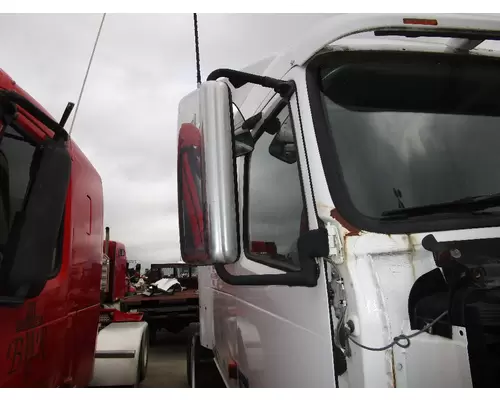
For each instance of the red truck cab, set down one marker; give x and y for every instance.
(49, 340)
(51, 220)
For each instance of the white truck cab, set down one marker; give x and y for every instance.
(342, 203)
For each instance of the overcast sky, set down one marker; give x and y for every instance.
(126, 124)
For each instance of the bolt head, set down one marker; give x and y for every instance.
(455, 253)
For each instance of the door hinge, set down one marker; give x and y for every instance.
(335, 243)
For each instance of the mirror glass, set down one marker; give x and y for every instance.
(243, 139)
(283, 145)
(206, 182)
(190, 195)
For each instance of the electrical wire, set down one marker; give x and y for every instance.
(398, 339)
(402, 340)
(87, 74)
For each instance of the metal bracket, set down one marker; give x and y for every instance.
(457, 45)
(335, 243)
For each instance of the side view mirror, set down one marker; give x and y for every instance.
(207, 203)
(29, 252)
(207, 184)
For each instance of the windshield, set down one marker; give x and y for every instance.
(411, 131)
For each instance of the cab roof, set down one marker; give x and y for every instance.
(349, 32)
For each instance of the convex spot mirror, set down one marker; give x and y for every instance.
(243, 139)
(283, 145)
(208, 224)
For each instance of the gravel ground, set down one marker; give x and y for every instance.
(167, 362)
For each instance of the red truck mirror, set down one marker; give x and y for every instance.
(29, 251)
(208, 221)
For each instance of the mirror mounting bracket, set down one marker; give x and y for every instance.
(257, 123)
(310, 245)
(239, 78)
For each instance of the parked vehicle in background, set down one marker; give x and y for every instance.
(173, 310)
(55, 330)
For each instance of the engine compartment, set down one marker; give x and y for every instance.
(466, 284)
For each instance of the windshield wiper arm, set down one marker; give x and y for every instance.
(463, 205)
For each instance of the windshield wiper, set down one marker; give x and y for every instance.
(469, 204)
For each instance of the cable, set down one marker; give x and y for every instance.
(349, 329)
(397, 340)
(197, 49)
(86, 74)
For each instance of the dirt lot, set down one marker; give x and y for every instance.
(167, 362)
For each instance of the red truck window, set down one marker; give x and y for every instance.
(4, 198)
(16, 154)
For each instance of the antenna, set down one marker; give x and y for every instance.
(86, 74)
(197, 49)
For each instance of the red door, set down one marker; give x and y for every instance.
(32, 336)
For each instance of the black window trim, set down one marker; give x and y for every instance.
(332, 168)
(264, 260)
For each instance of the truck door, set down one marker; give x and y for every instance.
(283, 334)
(86, 266)
(32, 336)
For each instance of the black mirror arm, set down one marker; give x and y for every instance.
(310, 245)
(240, 78)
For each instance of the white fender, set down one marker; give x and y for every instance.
(117, 354)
